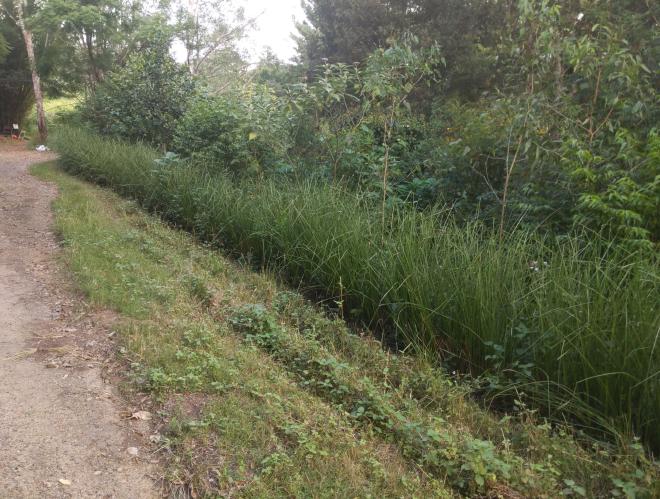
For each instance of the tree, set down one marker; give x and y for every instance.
(347, 31)
(98, 33)
(390, 77)
(36, 81)
(15, 81)
(144, 99)
(207, 34)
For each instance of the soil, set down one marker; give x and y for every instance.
(64, 429)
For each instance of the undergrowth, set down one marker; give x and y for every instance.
(236, 424)
(568, 326)
(265, 395)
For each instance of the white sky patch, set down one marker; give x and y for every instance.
(273, 28)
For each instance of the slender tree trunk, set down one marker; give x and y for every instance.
(387, 136)
(95, 73)
(386, 172)
(36, 81)
(507, 179)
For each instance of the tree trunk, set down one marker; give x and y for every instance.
(36, 81)
(95, 74)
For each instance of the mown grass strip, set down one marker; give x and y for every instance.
(184, 301)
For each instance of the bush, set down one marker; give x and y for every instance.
(144, 100)
(572, 323)
(243, 134)
(213, 132)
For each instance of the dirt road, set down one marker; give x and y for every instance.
(62, 432)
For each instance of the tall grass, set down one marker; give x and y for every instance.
(575, 322)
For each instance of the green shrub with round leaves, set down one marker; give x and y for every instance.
(143, 100)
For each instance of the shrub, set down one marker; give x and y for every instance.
(243, 134)
(213, 131)
(143, 100)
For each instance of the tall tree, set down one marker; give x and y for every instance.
(209, 34)
(36, 80)
(347, 31)
(15, 81)
(98, 33)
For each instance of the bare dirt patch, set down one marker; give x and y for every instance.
(62, 427)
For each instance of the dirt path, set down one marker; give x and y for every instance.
(61, 429)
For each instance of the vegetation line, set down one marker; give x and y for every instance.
(551, 317)
(190, 322)
(474, 183)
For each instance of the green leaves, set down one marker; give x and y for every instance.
(247, 132)
(143, 100)
(4, 47)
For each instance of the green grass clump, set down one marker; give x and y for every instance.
(278, 399)
(236, 423)
(571, 324)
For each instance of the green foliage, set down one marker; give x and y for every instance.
(250, 427)
(213, 132)
(84, 36)
(470, 464)
(539, 115)
(244, 134)
(287, 422)
(143, 100)
(345, 31)
(562, 131)
(4, 48)
(462, 294)
(561, 134)
(596, 93)
(209, 39)
(15, 81)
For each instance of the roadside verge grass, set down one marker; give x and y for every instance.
(236, 423)
(569, 326)
(264, 395)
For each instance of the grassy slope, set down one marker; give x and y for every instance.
(265, 396)
(575, 338)
(52, 106)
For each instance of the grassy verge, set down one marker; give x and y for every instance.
(237, 423)
(266, 396)
(571, 325)
(53, 107)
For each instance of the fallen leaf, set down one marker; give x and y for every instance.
(64, 481)
(143, 415)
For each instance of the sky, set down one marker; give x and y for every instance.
(274, 27)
